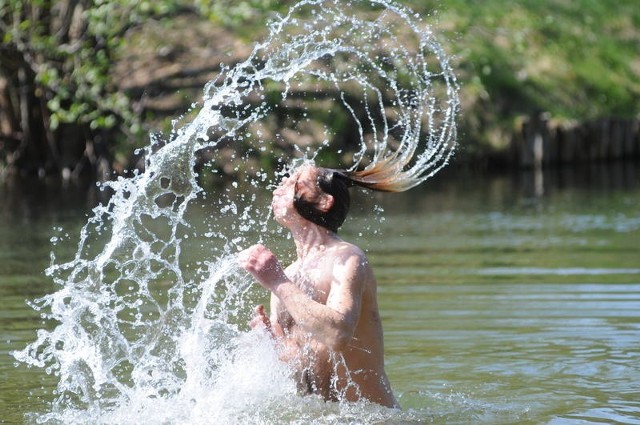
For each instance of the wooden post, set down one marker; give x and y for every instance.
(632, 145)
(617, 138)
(567, 143)
(535, 138)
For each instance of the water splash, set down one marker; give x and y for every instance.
(140, 327)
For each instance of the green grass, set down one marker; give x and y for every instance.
(577, 60)
(583, 51)
(574, 58)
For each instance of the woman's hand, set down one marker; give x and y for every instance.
(263, 265)
(260, 319)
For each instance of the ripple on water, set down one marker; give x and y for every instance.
(561, 352)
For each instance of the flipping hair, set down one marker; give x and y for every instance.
(391, 173)
(336, 183)
(332, 183)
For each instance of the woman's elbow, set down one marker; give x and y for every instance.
(339, 340)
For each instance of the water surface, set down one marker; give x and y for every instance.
(502, 302)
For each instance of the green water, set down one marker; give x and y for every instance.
(510, 299)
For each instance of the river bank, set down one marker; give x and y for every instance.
(573, 66)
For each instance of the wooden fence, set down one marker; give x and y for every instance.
(541, 141)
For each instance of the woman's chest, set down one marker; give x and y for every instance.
(314, 279)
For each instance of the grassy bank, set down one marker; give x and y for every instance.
(577, 60)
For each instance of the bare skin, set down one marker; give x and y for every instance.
(324, 312)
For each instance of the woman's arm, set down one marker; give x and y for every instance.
(332, 324)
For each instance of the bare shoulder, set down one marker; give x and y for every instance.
(350, 259)
(346, 250)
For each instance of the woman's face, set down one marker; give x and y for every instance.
(302, 180)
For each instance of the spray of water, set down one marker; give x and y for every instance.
(140, 331)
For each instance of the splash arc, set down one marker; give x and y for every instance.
(135, 331)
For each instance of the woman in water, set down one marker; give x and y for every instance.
(324, 310)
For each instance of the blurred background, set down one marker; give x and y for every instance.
(83, 84)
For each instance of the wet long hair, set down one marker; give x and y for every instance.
(382, 177)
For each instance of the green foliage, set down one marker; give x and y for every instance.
(574, 59)
(235, 13)
(70, 49)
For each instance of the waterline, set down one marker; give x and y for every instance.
(570, 271)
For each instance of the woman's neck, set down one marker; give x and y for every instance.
(312, 239)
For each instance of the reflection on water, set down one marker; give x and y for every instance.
(30, 200)
(592, 176)
(498, 306)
